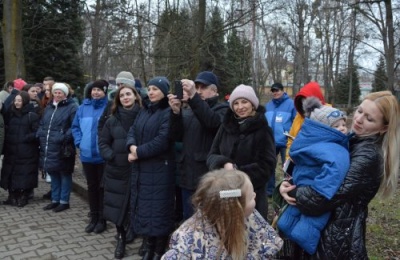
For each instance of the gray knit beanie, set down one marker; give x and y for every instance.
(125, 77)
(326, 115)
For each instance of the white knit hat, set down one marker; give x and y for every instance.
(60, 86)
(125, 77)
(246, 92)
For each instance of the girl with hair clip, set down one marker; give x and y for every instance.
(225, 225)
(374, 167)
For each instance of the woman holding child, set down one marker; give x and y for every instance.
(374, 167)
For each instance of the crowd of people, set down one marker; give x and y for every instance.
(192, 175)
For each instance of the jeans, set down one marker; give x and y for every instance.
(187, 203)
(271, 183)
(61, 184)
(94, 179)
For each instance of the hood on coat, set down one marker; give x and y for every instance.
(311, 89)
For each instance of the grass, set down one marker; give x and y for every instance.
(383, 228)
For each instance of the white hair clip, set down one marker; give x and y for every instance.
(230, 193)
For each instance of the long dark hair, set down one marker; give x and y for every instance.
(117, 101)
(25, 99)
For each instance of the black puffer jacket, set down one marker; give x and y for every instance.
(196, 127)
(250, 145)
(118, 170)
(344, 235)
(21, 150)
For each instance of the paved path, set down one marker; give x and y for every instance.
(32, 233)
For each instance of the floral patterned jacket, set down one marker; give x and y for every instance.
(198, 239)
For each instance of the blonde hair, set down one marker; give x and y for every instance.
(225, 214)
(389, 107)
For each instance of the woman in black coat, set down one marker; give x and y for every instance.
(245, 142)
(374, 167)
(153, 179)
(34, 100)
(118, 170)
(19, 174)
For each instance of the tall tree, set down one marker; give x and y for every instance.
(342, 87)
(380, 14)
(172, 53)
(380, 76)
(213, 54)
(238, 67)
(53, 37)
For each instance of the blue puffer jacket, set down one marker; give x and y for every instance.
(84, 129)
(322, 160)
(153, 179)
(54, 129)
(280, 115)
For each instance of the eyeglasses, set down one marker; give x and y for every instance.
(274, 90)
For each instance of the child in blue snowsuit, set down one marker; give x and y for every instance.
(321, 157)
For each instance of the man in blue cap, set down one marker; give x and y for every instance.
(194, 121)
(280, 115)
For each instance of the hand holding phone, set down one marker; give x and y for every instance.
(288, 166)
(178, 89)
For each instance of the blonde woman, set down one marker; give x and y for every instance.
(374, 167)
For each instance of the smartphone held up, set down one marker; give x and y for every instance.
(178, 89)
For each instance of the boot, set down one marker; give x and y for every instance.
(22, 199)
(160, 246)
(94, 216)
(143, 248)
(101, 225)
(150, 244)
(31, 194)
(130, 234)
(121, 243)
(12, 198)
(47, 196)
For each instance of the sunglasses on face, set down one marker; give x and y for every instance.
(274, 90)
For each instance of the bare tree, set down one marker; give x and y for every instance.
(301, 17)
(380, 14)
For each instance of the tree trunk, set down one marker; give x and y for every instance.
(12, 39)
(353, 35)
(95, 42)
(200, 32)
(390, 42)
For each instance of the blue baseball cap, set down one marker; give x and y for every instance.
(207, 78)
